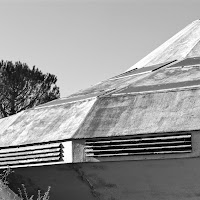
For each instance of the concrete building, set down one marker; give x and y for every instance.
(133, 136)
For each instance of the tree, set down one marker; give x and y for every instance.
(23, 88)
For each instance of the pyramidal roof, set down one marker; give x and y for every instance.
(161, 95)
(184, 44)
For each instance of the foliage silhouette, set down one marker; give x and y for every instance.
(23, 88)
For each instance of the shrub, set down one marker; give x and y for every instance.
(23, 193)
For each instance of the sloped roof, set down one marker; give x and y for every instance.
(185, 43)
(144, 113)
(162, 96)
(44, 124)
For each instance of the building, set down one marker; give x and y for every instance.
(133, 136)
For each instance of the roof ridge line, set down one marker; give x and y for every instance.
(40, 107)
(186, 56)
(85, 118)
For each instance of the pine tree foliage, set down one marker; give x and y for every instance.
(23, 88)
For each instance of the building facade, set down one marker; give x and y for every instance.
(133, 136)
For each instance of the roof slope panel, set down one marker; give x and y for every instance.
(188, 62)
(182, 74)
(99, 89)
(184, 44)
(143, 114)
(195, 50)
(108, 86)
(44, 124)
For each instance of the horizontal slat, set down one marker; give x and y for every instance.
(28, 148)
(30, 156)
(41, 151)
(35, 160)
(135, 149)
(161, 144)
(133, 154)
(135, 144)
(139, 139)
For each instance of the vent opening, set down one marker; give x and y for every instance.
(138, 146)
(142, 70)
(42, 153)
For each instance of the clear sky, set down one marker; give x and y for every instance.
(84, 42)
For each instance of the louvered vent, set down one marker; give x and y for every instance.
(31, 154)
(165, 144)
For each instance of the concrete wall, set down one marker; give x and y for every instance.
(150, 177)
(166, 179)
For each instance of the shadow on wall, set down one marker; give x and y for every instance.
(174, 179)
(65, 182)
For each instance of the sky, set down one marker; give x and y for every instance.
(84, 42)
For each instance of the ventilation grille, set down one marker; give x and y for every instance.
(142, 70)
(31, 154)
(139, 146)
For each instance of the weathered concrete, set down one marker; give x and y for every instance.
(146, 113)
(43, 124)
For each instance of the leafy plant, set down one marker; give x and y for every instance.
(23, 194)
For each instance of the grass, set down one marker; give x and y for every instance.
(22, 193)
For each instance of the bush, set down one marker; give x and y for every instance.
(23, 193)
